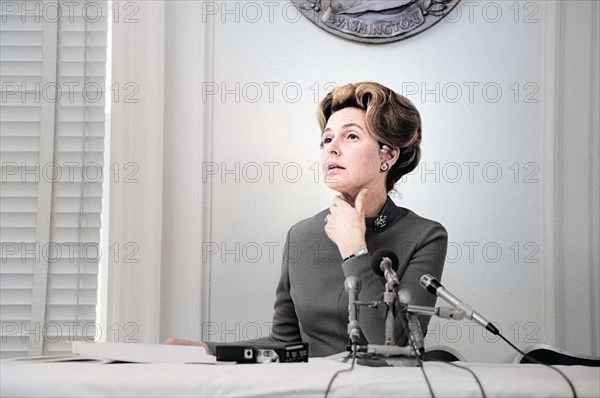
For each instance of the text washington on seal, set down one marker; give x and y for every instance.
(375, 21)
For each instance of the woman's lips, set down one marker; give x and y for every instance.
(333, 169)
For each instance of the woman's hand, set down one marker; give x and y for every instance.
(176, 341)
(345, 225)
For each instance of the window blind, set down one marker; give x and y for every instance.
(53, 69)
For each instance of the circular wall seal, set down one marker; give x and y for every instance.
(375, 21)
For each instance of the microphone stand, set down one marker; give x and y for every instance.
(390, 354)
(389, 298)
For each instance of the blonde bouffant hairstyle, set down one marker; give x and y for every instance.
(391, 118)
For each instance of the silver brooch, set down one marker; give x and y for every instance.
(380, 222)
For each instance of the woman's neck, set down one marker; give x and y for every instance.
(372, 203)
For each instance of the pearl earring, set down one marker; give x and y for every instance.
(384, 167)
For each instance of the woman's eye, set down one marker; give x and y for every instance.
(352, 136)
(326, 140)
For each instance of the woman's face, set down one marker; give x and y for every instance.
(350, 156)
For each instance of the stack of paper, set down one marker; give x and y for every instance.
(142, 353)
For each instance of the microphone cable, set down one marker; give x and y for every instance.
(425, 376)
(353, 354)
(432, 285)
(472, 372)
(532, 359)
(418, 355)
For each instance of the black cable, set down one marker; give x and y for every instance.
(426, 378)
(418, 354)
(532, 359)
(353, 353)
(474, 375)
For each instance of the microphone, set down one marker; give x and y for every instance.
(385, 263)
(450, 313)
(434, 286)
(440, 312)
(353, 285)
(406, 298)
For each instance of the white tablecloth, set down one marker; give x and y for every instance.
(26, 379)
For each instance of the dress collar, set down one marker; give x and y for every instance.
(386, 217)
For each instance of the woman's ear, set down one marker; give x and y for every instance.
(389, 155)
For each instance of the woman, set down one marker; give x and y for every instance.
(370, 138)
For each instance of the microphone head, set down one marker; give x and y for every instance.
(379, 256)
(429, 283)
(406, 296)
(352, 283)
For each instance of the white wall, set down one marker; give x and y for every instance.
(222, 231)
(135, 233)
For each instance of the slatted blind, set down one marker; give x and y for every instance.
(53, 68)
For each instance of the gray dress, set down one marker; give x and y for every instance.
(311, 304)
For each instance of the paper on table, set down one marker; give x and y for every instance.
(143, 353)
(57, 358)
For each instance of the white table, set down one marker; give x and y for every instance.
(26, 379)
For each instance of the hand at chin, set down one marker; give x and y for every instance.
(345, 224)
